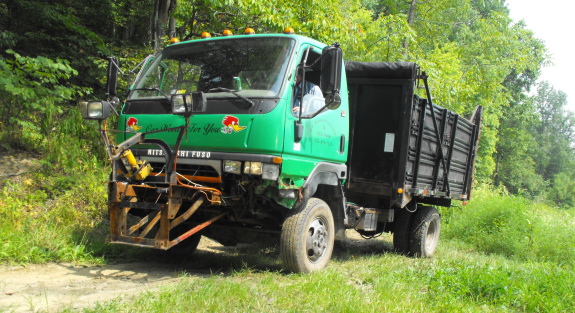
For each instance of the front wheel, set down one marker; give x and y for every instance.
(426, 226)
(307, 237)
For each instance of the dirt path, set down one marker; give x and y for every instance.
(15, 164)
(57, 286)
(54, 287)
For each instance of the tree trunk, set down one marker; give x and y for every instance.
(410, 17)
(160, 21)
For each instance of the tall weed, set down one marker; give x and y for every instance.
(494, 222)
(37, 228)
(51, 214)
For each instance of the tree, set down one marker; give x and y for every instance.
(554, 132)
(66, 30)
(162, 9)
(469, 48)
(515, 165)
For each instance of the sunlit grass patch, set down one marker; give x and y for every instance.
(512, 226)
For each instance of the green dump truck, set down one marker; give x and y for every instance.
(216, 138)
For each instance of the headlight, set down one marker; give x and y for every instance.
(267, 171)
(234, 167)
(254, 168)
(95, 110)
(270, 171)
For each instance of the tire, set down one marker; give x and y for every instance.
(402, 230)
(426, 227)
(307, 237)
(188, 246)
(182, 251)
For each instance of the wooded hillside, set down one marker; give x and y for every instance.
(54, 53)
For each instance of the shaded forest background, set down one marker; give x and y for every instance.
(54, 53)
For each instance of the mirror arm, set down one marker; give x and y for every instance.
(318, 111)
(316, 61)
(302, 81)
(112, 107)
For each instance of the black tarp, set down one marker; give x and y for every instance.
(386, 70)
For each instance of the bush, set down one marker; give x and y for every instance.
(33, 92)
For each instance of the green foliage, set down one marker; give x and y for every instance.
(66, 30)
(380, 40)
(516, 167)
(535, 153)
(496, 223)
(328, 21)
(469, 51)
(31, 91)
(503, 286)
(561, 191)
(554, 132)
(54, 213)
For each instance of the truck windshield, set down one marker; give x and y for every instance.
(253, 67)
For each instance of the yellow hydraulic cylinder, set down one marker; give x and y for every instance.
(134, 165)
(129, 156)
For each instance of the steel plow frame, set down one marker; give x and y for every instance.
(153, 230)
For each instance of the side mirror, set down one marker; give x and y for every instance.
(330, 81)
(95, 110)
(112, 83)
(186, 104)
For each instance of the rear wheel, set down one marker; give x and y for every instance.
(425, 231)
(307, 237)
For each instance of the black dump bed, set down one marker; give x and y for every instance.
(394, 146)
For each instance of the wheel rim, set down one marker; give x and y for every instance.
(317, 240)
(432, 236)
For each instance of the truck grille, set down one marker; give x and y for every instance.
(189, 169)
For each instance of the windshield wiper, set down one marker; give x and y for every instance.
(221, 89)
(153, 89)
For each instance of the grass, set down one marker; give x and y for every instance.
(34, 227)
(496, 223)
(497, 254)
(456, 280)
(56, 215)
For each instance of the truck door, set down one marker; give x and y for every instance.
(323, 131)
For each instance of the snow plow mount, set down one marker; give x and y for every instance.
(137, 221)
